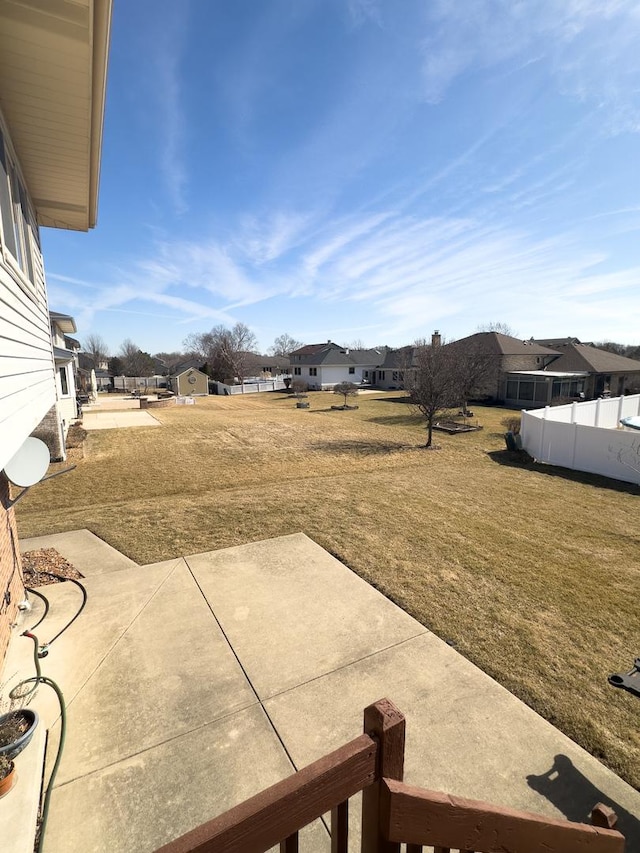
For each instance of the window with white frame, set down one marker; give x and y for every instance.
(313, 371)
(297, 371)
(18, 230)
(64, 381)
(352, 370)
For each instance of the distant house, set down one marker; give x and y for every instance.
(53, 63)
(538, 372)
(391, 372)
(322, 366)
(189, 382)
(66, 366)
(606, 373)
(266, 366)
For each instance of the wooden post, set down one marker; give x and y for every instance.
(384, 723)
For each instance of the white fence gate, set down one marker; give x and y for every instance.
(586, 437)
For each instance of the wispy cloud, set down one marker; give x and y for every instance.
(591, 48)
(169, 38)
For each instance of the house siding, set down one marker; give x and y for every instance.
(27, 382)
(27, 388)
(329, 375)
(10, 568)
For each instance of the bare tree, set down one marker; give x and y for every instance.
(443, 376)
(283, 345)
(500, 328)
(227, 352)
(611, 346)
(134, 361)
(346, 389)
(96, 349)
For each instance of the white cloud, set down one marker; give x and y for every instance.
(590, 47)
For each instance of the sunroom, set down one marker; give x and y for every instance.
(533, 389)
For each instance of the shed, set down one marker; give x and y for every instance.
(190, 382)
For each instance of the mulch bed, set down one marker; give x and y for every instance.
(46, 566)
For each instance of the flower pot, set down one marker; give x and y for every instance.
(29, 720)
(7, 782)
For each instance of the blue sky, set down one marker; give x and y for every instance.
(363, 170)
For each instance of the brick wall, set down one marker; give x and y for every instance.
(11, 589)
(49, 430)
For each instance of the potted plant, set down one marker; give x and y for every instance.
(17, 727)
(7, 775)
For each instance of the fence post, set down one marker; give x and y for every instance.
(386, 724)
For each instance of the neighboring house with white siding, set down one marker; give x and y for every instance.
(322, 366)
(66, 364)
(53, 60)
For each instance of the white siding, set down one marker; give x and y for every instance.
(27, 383)
(330, 375)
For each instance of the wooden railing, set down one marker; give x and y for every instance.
(393, 813)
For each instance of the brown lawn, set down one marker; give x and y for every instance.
(531, 572)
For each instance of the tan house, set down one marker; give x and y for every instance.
(189, 383)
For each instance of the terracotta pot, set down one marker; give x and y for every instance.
(6, 784)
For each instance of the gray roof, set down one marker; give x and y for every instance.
(497, 344)
(399, 359)
(593, 360)
(333, 354)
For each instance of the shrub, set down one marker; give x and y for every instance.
(512, 424)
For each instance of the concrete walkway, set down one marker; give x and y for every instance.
(194, 683)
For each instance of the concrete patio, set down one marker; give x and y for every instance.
(194, 683)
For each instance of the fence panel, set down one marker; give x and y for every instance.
(593, 442)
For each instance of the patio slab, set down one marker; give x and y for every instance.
(292, 612)
(83, 549)
(155, 795)
(118, 419)
(170, 671)
(466, 734)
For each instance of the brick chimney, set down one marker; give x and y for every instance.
(436, 340)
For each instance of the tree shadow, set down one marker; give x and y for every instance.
(575, 795)
(397, 420)
(519, 459)
(406, 400)
(363, 448)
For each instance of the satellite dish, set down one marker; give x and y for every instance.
(29, 465)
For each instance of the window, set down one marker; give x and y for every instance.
(17, 223)
(313, 371)
(381, 374)
(394, 376)
(6, 214)
(352, 370)
(297, 371)
(526, 390)
(64, 381)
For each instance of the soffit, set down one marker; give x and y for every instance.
(53, 59)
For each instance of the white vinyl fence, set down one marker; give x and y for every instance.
(586, 437)
(251, 387)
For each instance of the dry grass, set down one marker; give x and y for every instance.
(531, 572)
